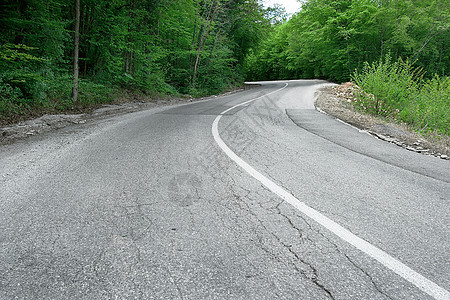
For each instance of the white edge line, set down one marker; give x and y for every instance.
(343, 122)
(385, 259)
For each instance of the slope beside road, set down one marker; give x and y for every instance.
(148, 205)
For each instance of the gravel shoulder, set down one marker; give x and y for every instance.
(336, 102)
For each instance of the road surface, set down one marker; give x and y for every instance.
(253, 195)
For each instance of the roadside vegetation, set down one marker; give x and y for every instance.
(397, 52)
(398, 91)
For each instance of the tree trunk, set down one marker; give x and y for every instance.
(209, 20)
(76, 51)
(191, 59)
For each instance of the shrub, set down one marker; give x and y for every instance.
(60, 91)
(388, 86)
(11, 97)
(397, 90)
(430, 108)
(92, 94)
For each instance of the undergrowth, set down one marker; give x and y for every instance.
(397, 90)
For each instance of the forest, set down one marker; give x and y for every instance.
(202, 47)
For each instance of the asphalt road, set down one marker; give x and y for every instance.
(267, 200)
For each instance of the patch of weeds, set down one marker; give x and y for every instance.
(397, 90)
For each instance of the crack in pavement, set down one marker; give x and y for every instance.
(174, 282)
(314, 278)
(377, 288)
(371, 280)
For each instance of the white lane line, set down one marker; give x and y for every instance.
(385, 259)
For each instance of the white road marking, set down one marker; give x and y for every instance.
(385, 259)
(343, 122)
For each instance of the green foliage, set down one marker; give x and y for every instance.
(59, 91)
(397, 90)
(392, 83)
(14, 54)
(9, 97)
(274, 60)
(431, 110)
(92, 93)
(330, 39)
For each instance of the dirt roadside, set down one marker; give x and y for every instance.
(47, 123)
(336, 102)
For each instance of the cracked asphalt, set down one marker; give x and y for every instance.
(147, 206)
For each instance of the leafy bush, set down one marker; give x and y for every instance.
(387, 86)
(11, 97)
(397, 90)
(429, 110)
(92, 94)
(50, 93)
(59, 91)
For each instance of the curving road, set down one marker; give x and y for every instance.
(253, 195)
